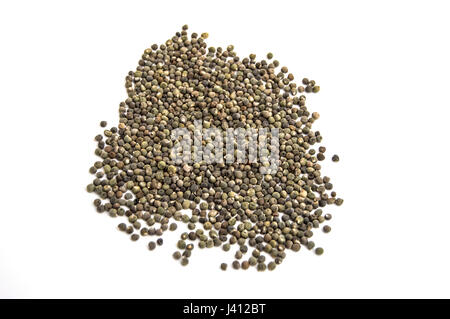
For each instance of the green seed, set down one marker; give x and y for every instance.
(261, 267)
(271, 266)
(176, 255)
(181, 244)
(184, 261)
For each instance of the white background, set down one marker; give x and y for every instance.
(383, 68)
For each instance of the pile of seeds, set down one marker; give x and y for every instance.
(235, 205)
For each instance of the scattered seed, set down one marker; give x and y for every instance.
(319, 251)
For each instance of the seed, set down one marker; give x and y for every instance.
(223, 266)
(184, 261)
(134, 237)
(335, 158)
(137, 225)
(236, 265)
(261, 267)
(122, 226)
(173, 226)
(316, 89)
(151, 245)
(159, 241)
(326, 229)
(269, 56)
(319, 251)
(176, 255)
(103, 123)
(245, 264)
(271, 266)
(181, 244)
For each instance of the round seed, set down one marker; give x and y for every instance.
(326, 229)
(184, 261)
(176, 255)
